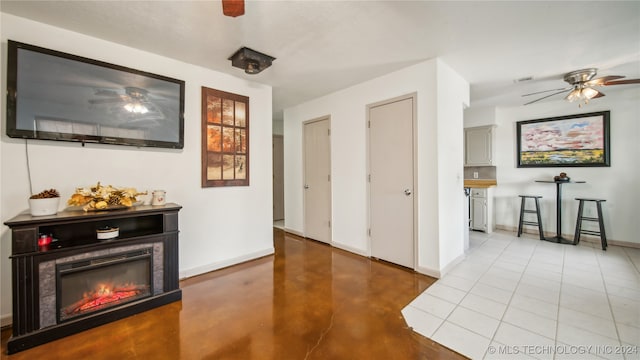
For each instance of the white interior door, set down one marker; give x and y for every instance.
(278, 178)
(317, 181)
(391, 182)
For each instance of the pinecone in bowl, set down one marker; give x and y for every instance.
(46, 194)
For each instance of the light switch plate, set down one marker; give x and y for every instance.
(475, 174)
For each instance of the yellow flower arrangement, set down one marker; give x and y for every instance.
(102, 197)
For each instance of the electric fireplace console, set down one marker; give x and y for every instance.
(77, 282)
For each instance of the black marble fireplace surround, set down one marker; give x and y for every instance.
(147, 244)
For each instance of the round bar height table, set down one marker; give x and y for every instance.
(558, 238)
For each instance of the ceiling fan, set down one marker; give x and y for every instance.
(582, 86)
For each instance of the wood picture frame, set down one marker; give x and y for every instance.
(225, 138)
(580, 140)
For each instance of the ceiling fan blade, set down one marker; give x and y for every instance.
(233, 8)
(545, 91)
(603, 80)
(622, 82)
(598, 95)
(544, 97)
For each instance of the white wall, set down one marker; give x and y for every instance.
(218, 226)
(617, 184)
(440, 96)
(453, 96)
(479, 116)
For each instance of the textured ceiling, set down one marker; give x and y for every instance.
(324, 46)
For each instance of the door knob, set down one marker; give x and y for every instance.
(306, 186)
(407, 192)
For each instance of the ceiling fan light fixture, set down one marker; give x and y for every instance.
(251, 61)
(582, 94)
(589, 93)
(573, 95)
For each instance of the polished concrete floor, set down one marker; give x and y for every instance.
(309, 301)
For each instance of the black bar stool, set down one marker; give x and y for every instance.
(536, 211)
(599, 219)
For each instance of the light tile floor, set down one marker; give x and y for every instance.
(522, 298)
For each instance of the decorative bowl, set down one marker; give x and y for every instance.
(45, 206)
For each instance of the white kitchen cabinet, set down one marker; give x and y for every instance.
(478, 146)
(482, 209)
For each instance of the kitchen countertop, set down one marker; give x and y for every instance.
(480, 183)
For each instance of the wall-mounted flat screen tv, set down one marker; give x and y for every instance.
(58, 96)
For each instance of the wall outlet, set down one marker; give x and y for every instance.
(475, 174)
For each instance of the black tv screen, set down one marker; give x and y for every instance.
(58, 96)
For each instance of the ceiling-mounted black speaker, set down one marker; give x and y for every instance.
(251, 61)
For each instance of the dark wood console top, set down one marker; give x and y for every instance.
(26, 218)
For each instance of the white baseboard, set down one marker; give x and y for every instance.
(333, 244)
(452, 264)
(429, 272)
(350, 249)
(6, 320)
(294, 232)
(440, 273)
(187, 273)
(596, 240)
(585, 238)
